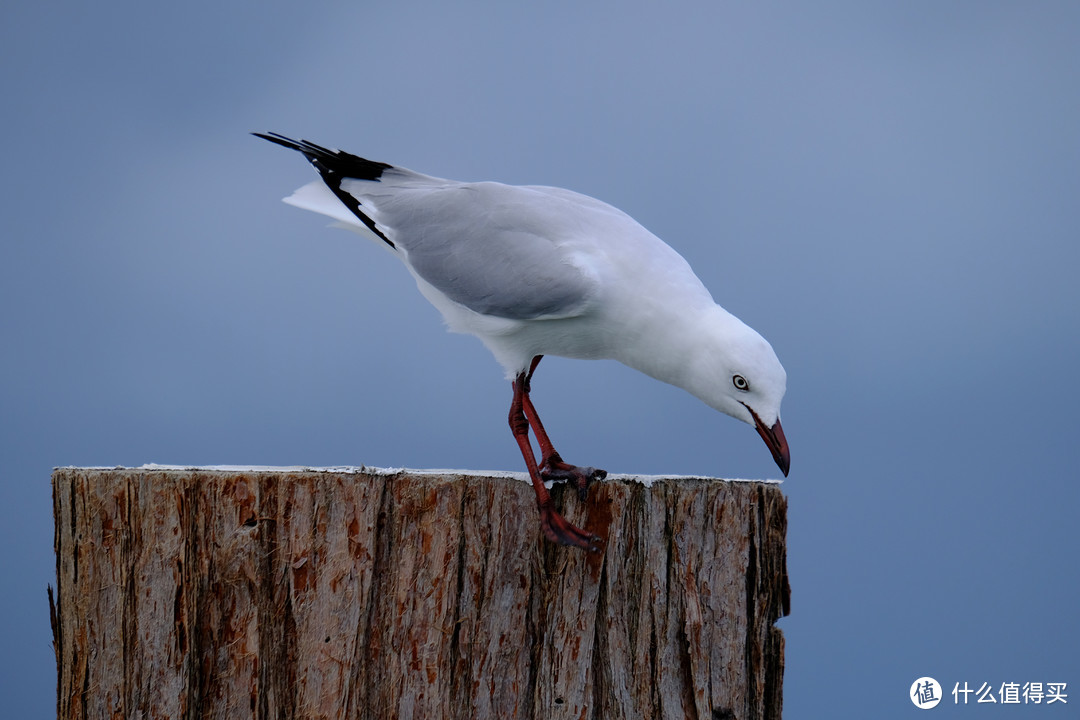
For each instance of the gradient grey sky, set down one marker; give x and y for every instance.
(888, 192)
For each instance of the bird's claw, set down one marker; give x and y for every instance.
(557, 529)
(554, 468)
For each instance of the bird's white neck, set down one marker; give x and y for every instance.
(684, 346)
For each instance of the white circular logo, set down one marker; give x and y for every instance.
(925, 693)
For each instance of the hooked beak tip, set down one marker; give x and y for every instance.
(775, 440)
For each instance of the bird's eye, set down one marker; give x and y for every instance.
(740, 383)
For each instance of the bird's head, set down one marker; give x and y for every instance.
(743, 378)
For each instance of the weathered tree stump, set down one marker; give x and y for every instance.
(287, 593)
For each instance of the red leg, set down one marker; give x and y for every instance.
(554, 525)
(552, 466)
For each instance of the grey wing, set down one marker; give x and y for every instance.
(496, 249)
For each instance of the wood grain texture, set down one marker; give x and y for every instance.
(319, 594)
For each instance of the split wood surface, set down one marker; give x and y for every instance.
(322, 594)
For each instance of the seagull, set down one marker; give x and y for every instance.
(534, 270)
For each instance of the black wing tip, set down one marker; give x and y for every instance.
(335, 163)
(279, 139)
(334, 166)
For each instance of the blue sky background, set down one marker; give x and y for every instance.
(889, 192)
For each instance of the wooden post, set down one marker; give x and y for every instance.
(285, 593)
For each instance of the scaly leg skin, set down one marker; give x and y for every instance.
(555, 526)
(552, 466)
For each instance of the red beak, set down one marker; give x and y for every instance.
(774, 438)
